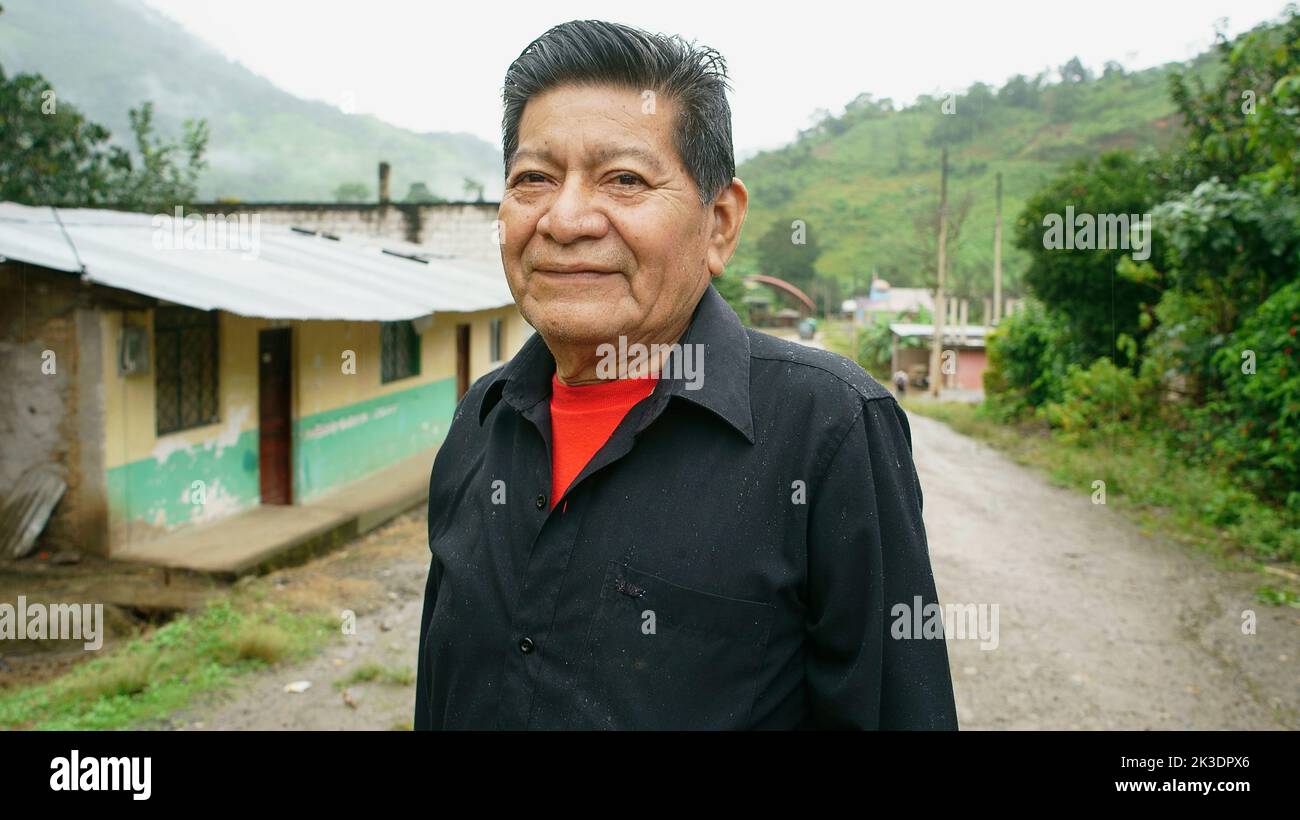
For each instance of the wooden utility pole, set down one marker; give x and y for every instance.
(997, 256)
(936, 347)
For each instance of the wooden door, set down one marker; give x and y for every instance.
(274, 422)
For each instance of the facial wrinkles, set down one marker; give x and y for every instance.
(642, 231)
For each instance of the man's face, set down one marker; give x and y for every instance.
(604, 233)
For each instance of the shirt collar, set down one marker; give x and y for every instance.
(723, 379)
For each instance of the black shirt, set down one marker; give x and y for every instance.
(730, 558)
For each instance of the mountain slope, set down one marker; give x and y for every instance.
(107, 56)
(866, 182)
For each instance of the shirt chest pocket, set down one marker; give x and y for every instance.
(662, 656)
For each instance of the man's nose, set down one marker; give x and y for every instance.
(572, 215)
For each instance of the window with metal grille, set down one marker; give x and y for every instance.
(399, 351)
(185, 344)
(494, 339)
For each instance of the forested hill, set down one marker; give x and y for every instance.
(108, 56)
(866, 182)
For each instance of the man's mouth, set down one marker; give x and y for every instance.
(575, 274)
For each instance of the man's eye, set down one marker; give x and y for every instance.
(628, 179)
(528, 176)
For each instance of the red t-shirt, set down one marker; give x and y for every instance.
(582, 420)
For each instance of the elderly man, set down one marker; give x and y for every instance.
(652, 517)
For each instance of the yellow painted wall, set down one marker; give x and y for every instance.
(151, 479)
(319, 347)
(130, 423)
(319, 384)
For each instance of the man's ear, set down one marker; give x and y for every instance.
(728, 213)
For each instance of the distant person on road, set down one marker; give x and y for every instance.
(652, 517)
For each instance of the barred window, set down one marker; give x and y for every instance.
(399, 351)
(185, 351)
(494, 339)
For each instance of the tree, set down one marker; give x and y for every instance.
(1021, 92)
(351, 192)
(974, 112)
(1234, 246)
(1246, 121)
(53, 155)
(1075, 72)
(419, 193)
(1082, 285)
(732, 289)
(161, 182)
(473, 188)
(789, 250)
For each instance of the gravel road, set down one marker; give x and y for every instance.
(1099, 626)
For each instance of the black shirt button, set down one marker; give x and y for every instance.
(541, 501)
(526, 645)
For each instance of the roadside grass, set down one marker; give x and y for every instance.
(170, 667)
(1191, 504)
(377, 673)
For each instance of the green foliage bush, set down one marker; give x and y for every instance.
(1097, 399)
(1263, 409)
(1028, 356)
(1223, 280)
(1233, 245)
(1082, 286)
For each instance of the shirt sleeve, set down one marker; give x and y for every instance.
(423, 719)
(423, 693)
(867, 553)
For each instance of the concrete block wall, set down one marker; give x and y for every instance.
(459, 228)
(51, 407)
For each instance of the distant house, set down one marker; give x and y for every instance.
(175, 385)
(786, 317)
(889, 301)
(963, 345)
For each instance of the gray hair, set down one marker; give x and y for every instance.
(593, 52)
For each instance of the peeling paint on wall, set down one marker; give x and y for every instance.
(330, 449)
(230, 431)
(227, 436)
(157, 493)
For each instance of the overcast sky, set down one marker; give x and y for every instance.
(437, 66)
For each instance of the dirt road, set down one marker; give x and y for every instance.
(1099, 626)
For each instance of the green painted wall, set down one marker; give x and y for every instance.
(329, 449)
(344, 444)
(162, 494)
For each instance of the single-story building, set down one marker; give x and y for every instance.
(885, 299)
(963, 347)
(182, 373)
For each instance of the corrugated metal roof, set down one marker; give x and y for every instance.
(28, 509)
(914, 329)
(973, 334)
(291, 276)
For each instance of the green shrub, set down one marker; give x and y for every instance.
(1028, 354)
(1096, 399)
(1259, 413)
(1177, 353)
